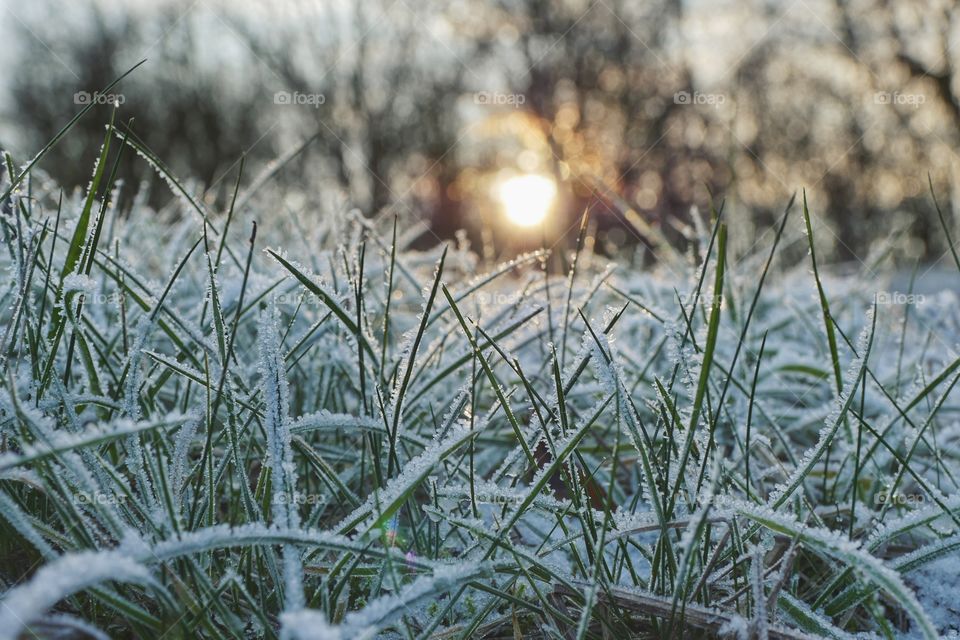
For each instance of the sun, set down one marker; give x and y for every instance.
(527, 198)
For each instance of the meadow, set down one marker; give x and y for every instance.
(329, 434)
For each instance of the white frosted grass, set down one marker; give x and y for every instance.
(275, 393)
(690, 539)
(736, 628)
(404, 349)
(328, 421)
(131, 398)
(564, 448)
(810, 620)
(59, 442)
(831, 425)
(224, 536)
(59, 623)
(455, 410)
(79, 471)
(19, 520)
(938, 589)
(835, 544)
(926, 515)
(283, 474)
(61, 578)
(77, 571)
(382, 503)
(515, 460)
(74, 285)
(151, 299)
(367, 623)
(309, 624)
(333, 298)
(761, 624)
(275, 528)
(949, 545)
(610, 374)
(181, 456)
(472, 285)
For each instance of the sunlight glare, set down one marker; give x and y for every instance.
(527, 198)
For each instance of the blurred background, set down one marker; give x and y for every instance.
(509, 118)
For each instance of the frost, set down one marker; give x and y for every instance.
(279, 452)
(342, 483)
(59, 442)
(78, 282)
(365, 624)
(61, 578)
(736, 628)
(382, 503)
(938, 590)
(761, 625)
(308, 624)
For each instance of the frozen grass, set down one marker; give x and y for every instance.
(211, 438)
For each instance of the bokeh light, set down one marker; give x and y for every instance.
(527, 199)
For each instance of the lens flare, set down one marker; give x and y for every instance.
(527, 199)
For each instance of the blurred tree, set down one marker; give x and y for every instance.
(635, 109)
(188, 112)
(387, 117)
(858, 102)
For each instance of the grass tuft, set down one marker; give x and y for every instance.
(225, 443)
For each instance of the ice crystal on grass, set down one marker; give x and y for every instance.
(62, 578)
(323, 453)
(283, 471)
